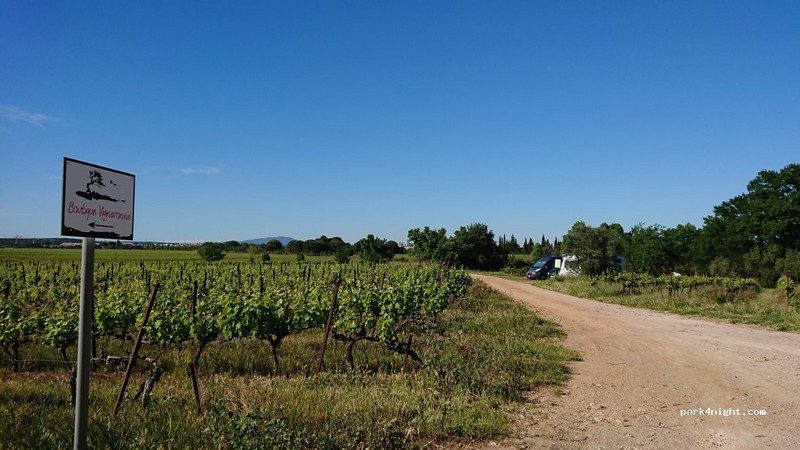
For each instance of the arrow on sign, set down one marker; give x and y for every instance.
(94, 225)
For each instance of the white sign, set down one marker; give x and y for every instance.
(96, 201)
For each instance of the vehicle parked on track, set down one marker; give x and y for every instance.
(545, 267)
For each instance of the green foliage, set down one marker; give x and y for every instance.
(545, 248)
(374, 250)
(509, 246)
(431, 245)
(201, 304)
(471, 247)
(763, 264)
(766, 214)
(273, 245)
(755, 234)
(684, 248)
(738, 300)
(730, 288)
(475, 248)
(645, 249)
(234, 246)
(322, 245)
(342, 254)
(211, 251)
(720, 266)
(295, 246)
(790, 264)
(594, 246)
(518, 262)
(787, 287)
(483, 352)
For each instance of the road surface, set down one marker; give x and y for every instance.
(644, 371)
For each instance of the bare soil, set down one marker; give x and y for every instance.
(641, 368)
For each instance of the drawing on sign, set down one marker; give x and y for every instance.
(96, 179)
(97, 201)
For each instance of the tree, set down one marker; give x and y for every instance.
(335, 243)
(545, 247)
(556, 246)
(645, 249)
(684, 246)
(763, 264)
(431, 245)
(273, 246)
(391, 248)
(509, 246)
(231, 246)
(371, 249)
(789, 265)
(768, 213)
(211, 251)
(314, 246)
(343, 253)
(475, 248)
(594, 246)
(294, 246)
(527, 246)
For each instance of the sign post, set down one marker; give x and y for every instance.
(84, 344)
(96, 202)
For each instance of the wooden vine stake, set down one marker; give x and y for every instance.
(136, 346)
(328, 324)
(195, 382)
(405, 359)
(195, 361)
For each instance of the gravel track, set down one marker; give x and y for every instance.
(640, 368)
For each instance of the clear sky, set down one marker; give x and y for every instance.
(244, 120)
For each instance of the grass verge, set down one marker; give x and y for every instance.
(766, 307)
(485, 352)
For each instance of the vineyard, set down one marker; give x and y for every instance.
(634, 283)
(198, 304)
(412, 345)
(735, 299)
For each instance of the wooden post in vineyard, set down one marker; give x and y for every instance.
(136, 346)
(328, 323)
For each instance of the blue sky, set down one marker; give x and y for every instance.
(244, 120)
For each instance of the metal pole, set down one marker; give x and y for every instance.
(84, 344)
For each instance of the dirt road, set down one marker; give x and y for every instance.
(641, 368)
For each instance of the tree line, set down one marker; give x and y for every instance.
(471, 247)
(755, 234)
(371, 249)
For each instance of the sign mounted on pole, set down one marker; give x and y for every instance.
(96, 201)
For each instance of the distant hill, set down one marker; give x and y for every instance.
(283, 239)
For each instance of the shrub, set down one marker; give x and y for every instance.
(785, 286)
(211, 251)
(342, 254)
